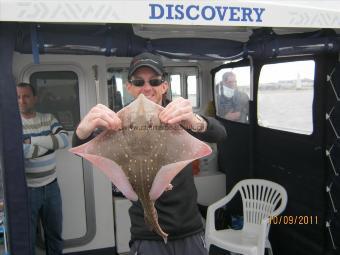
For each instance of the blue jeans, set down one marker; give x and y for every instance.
(46, 204)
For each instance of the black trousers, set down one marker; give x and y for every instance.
(194, 244)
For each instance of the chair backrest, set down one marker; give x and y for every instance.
(260, 199)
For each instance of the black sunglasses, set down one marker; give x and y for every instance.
(152, 82)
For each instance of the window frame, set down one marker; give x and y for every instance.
(288, 60)
(185, 72)
(233, 65)
(31, 69)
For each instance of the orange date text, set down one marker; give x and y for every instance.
(293, 220)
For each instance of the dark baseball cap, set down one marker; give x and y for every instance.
(146, 59)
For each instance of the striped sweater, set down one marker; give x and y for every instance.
(46, 135)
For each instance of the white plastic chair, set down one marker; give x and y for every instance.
(261, 200)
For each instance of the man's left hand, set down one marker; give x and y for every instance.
(180, 111)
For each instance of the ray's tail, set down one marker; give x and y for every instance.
(151, 218)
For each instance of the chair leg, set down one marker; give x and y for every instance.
(270, 252)
(269, 247)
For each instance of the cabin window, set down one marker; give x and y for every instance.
(232, 86)
(58, 93)
(118, 95)
(175, 83)
(184, 83)
(192, 90)
(285, 96)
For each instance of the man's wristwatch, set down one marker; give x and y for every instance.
(202, 126)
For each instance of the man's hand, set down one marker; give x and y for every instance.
(27, 141)
(99, 116)
(233, 116)
(180, 111)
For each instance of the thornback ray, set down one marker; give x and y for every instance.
(144, 156)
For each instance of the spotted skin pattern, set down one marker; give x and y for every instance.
(143, 157)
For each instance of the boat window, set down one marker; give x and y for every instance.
(232, 87)
(58, 93)
(118, 95)
(285, 96)
(175, 83)
(193, 96)
(184, 83)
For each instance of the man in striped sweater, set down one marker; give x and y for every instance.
(42, 135)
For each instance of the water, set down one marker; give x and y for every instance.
(290, 110)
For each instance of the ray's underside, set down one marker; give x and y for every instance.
(143, 157)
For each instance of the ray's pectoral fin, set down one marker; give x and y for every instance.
(164, 177)
(112, 170)
(192, 149)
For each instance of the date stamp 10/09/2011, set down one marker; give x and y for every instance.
(293, 219)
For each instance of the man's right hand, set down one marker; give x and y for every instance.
(99, 116)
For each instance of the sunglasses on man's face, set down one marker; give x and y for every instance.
(152, 82)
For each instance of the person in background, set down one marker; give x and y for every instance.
(177, 209)
(233, 104)
(42, 136)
